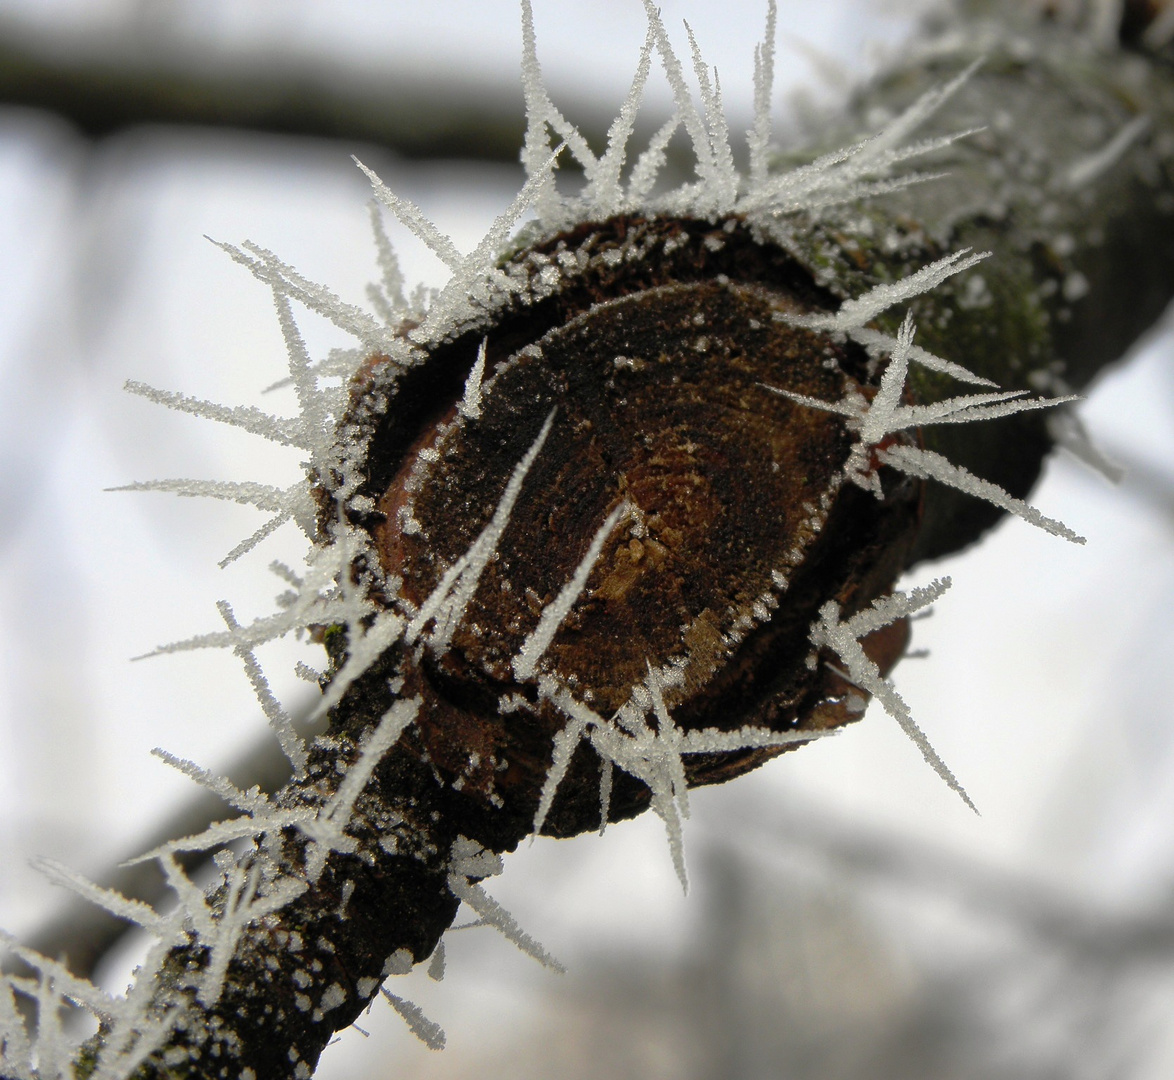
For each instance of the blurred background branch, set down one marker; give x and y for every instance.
(144, 73)
(146, 76)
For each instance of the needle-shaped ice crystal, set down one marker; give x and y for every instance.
(886, 415)
(642, 739)
(843, 636)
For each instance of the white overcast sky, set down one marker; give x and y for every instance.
(1045, 692)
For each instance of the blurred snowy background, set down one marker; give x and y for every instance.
(848, 917)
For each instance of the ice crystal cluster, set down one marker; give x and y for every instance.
(325, 592)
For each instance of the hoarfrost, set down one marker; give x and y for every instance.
(554, 613)
(651, 752)
(451, 597)
(854, 313)
(121, 907)
(1069, 431)
(470, 405)
(328, 828)
(252, 801)
(928, 465)
(842, 636)
(246, 417)
(387, 297)
(291, 743)
(430, 1033)
(436, 964)
(758, 137)
(874, 421)
(469, 861)
(1083, 172)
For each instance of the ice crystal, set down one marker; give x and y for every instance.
(843, 636)
(885, 415)
(553, 615)
(291, 743)
(642, 740)
(853, 314)
(847, 175)
(446, 606)
(429, 1032)
(1083, 172)
(470, 404)
(468, 864)
(133, 911)
(328, 828)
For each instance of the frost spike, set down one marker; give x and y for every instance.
(328, 829)
(477, 275)
(842, 637)
(650, 162)
(758, 137)
(921, 110)
(556, 611)
(262, 496)
(707, 166)
(253, 801)
(430, 1033)
(717, 131)
(391, 287)
(114, 902)
(856, 312)
(451, 597)
(246, 417)
(501, 920)
(470, 404)
(564, 745)
(415, 219)
(291, 743)
(929, 465)
(604, 189)
(311, 401)
(877, 342)
(1083, 172)
(268, 268)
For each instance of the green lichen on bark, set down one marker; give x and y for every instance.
(1069, 182)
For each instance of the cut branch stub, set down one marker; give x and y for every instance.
(731, 525)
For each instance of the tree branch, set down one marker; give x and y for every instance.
(622, 511)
